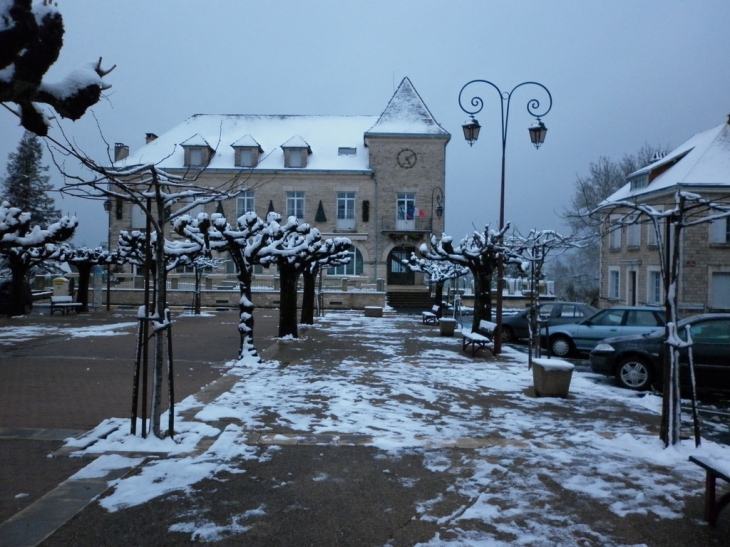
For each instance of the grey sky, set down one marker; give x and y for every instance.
(621, 73)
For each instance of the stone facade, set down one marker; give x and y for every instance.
(704, 260)
(381, 159)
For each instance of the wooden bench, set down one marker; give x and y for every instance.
(713, 506)
(431, 317)
(476, 341)
(487, 328)
(64, 304)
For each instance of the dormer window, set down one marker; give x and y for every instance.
(346, 151)
(296, 152)
(198, 152)
(296, 158)
(196, 156)
(247, 152)
(642, 181)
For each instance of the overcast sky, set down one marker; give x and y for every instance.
(621, 73)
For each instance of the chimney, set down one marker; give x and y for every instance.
(121, 151)
(149, 137)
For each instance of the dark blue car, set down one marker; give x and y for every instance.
(637, 361)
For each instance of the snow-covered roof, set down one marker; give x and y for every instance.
(406, 113)
(247, 141)
(195, 140)
(703, 161)
(296, 142)
(323, 134)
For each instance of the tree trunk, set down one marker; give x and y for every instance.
(671, 403)
(160, 333)
(18, 270)
(245, 311)
(482, 298)
(439, 294)
(83, 290)
(288, 302)
(196, 295)
(310, 281)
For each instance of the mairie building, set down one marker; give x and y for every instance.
(378, 180)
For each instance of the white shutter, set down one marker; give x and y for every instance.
(720, 291)
(139, 221)
(718, 231)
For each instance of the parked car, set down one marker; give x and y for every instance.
(565, 340)
(516, 326)
(637, 361)
(5, 285)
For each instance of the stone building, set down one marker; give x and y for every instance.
(630, 264)
(378, 180)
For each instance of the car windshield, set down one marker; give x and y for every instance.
(606, 317)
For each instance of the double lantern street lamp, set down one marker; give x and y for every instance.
(108, 209)
(537, 137)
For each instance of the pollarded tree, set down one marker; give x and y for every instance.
(243, 243)
(533, 250)
(294, 247)
(290, 247)
(480, 253)
(24, 246)
(689, 210)
(161, 197)
(438, 272)
(327, 253)
(201, 264)
(84, 259)
(26, 185)
(31, 38)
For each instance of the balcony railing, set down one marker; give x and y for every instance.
(418, 224)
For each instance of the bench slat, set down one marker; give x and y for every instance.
(713, 506)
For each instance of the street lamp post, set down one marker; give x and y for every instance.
(439, 203)
(537, 137)
(108, 209)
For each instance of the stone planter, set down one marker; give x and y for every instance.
(373, 311)
(551, 377)
(447, 326)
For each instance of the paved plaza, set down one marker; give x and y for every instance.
(316, 488)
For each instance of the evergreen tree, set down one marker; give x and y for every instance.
(26, 186)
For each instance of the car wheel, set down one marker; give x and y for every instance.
(27, 308)
(562, 346)
(508, 335)
(633, 373)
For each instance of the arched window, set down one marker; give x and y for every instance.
(354, 267)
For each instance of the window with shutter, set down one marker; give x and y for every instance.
(139, 220)
(719, 231)
(720, 291)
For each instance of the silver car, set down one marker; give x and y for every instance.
(565, 340)
(516, 326)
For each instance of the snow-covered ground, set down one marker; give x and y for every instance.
(403, 388)
(14, 334)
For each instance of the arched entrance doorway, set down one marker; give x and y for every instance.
(398, 274)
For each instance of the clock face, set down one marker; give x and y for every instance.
(407, 158)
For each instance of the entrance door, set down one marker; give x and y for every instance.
(398, 274)
(632, 288)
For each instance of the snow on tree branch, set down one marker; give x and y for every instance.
(31, 38)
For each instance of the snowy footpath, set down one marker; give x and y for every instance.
(423, 444)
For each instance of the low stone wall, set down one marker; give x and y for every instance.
(351, 300)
